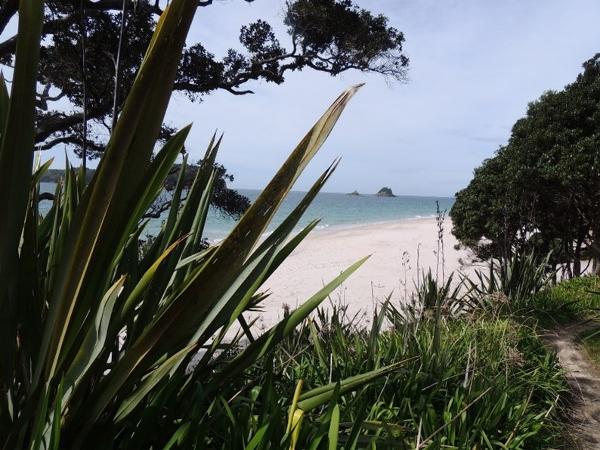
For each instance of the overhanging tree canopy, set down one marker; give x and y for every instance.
(331, 36)
(80, 62)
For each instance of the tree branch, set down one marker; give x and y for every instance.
(9, 45)
(60, 122)
(70, 139)
(7, 12)
(157, 209)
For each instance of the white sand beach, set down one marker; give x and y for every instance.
(395, 248)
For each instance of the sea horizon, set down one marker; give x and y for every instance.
(335, 210)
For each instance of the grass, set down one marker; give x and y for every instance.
(472, 382)
(591, 343)
(570, 300)
(481, 378)
(478, 379)
(575, 300)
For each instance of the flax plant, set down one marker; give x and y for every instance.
(104, 346)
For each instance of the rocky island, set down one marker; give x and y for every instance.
(353, 193)
(385, 192)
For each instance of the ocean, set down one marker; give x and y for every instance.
(334, 210)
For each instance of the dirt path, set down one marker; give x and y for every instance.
(584, 378)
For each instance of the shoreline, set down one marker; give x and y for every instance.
(353, 226)
(324, 228)
(394, 246)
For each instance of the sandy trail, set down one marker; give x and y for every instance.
(584, 378)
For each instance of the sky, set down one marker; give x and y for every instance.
(474, 66)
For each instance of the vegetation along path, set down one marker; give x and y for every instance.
(583, 376)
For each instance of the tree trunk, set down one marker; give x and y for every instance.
(577, 260)
(595, 255)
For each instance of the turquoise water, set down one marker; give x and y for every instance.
(334, 210)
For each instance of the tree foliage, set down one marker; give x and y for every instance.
(332, 36)
(541, 190)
